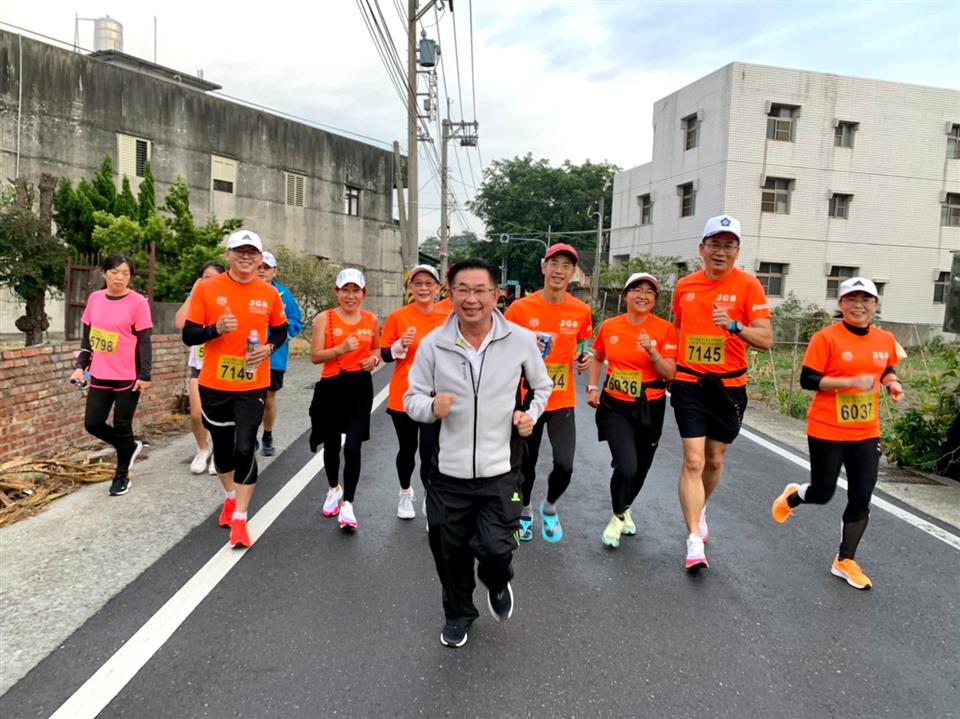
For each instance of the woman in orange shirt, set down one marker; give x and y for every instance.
(403, 330)
(845, 365)
(641, 354)
(343, 340)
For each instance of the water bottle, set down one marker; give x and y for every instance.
(253, 342)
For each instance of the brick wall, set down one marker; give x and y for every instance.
(41, 413)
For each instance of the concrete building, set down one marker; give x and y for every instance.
(830, 176)
(297, 185)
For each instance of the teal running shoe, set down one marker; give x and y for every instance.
(550, 529)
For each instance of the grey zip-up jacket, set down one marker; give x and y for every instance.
(475, 436)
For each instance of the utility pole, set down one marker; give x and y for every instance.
(466, 133)
(405, 259)
(410, 240)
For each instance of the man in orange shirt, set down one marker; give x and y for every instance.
(240, 320)
(718, 312)
(561, 322)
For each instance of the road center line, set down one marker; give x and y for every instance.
(918, 522)
(108, 681)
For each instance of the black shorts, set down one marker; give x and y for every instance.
(276, 379)
(194, 373)
(702, 411)
(228, 409)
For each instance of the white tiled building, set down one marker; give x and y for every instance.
(829, 175)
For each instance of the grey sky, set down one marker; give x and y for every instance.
(563, 80)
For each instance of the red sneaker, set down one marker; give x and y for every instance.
(226, 514)
(238, 533)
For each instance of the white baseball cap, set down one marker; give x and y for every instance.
(268, 259)
(857, 284)
(348, 275)
(637, 277)
(244, 238)
(429, 269)
(722, 223)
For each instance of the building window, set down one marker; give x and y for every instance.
(950, 210)
(844, 132)
(837, 275)
(780, 122)
(940, 286)
(688, 199)
(621, 259)
(646, 209)
(294, 185)
(133, 153)
(840, 206)
(880, 285)
(775, 197)
(953, 143)
(351, 200)
(771, 276)
(223, 174)
(691, 132)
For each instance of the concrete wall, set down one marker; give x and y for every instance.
(73, 107)
(897, 171)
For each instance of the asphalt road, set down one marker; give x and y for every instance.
(314, 622)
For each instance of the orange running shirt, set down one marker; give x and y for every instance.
(567, 322)
(256, 304)
(337, 331)
(628, 364)
(396, 324)
(704, 346)
(848, 415)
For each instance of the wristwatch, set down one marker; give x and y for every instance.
(735, 327)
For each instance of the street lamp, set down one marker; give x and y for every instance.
(505, 238)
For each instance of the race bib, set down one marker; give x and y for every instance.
(230, 369)
(705, 349)
(625, 381)
(560, 375)
(855, 408)
(200, 352)
(103, 341)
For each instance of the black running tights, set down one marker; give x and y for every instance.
(351, 462)
(410, 434)
(120, 434)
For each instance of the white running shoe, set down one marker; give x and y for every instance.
(348, 520)
(331, 505)
(405, 506)
(704, 532)
(696, 558)
(199, 463)
(213, 465)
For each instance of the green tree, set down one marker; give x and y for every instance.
(147, 196)
(310, 281)
(104, 195)
(458, 246)
(523, 198)
(796, 321)
(73, 212)
(667, 270)
(126, 204)
(31, 259)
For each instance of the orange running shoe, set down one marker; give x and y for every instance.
(238, 533)
(226, 514)
(850, 570)
(782, 511)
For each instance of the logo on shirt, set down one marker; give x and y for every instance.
(569, 323)
(880, 358)
(534, 321)
(614, 339)
(726, 298)
(690, 297)
(222, 301)
(337, 331)
(847, 356)
(258, 307)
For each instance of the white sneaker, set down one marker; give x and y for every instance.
(331, 505)
(696, 558)
(213, 465)
(348, 520)
(704, 532)
(405, 506)
(199, 463)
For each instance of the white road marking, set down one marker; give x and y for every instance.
(100, 689)
(933, 530)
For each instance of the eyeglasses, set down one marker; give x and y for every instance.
(246, 252)
(725, 247)
(479, 292)
(644, 291)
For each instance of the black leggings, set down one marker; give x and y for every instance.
(409, 435)
(561, 426)
(861, 460)
(632, 445)
(234, 451)
(351, 462)
(120, 435)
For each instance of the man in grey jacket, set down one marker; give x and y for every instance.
(466, 374)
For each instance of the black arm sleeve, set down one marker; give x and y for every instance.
(195, 334)
(810, 379)
(892, 369)
(276, 336)
(85, 357)
(144, 354)
(386, 354)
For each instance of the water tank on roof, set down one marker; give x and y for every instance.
(107, 34)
